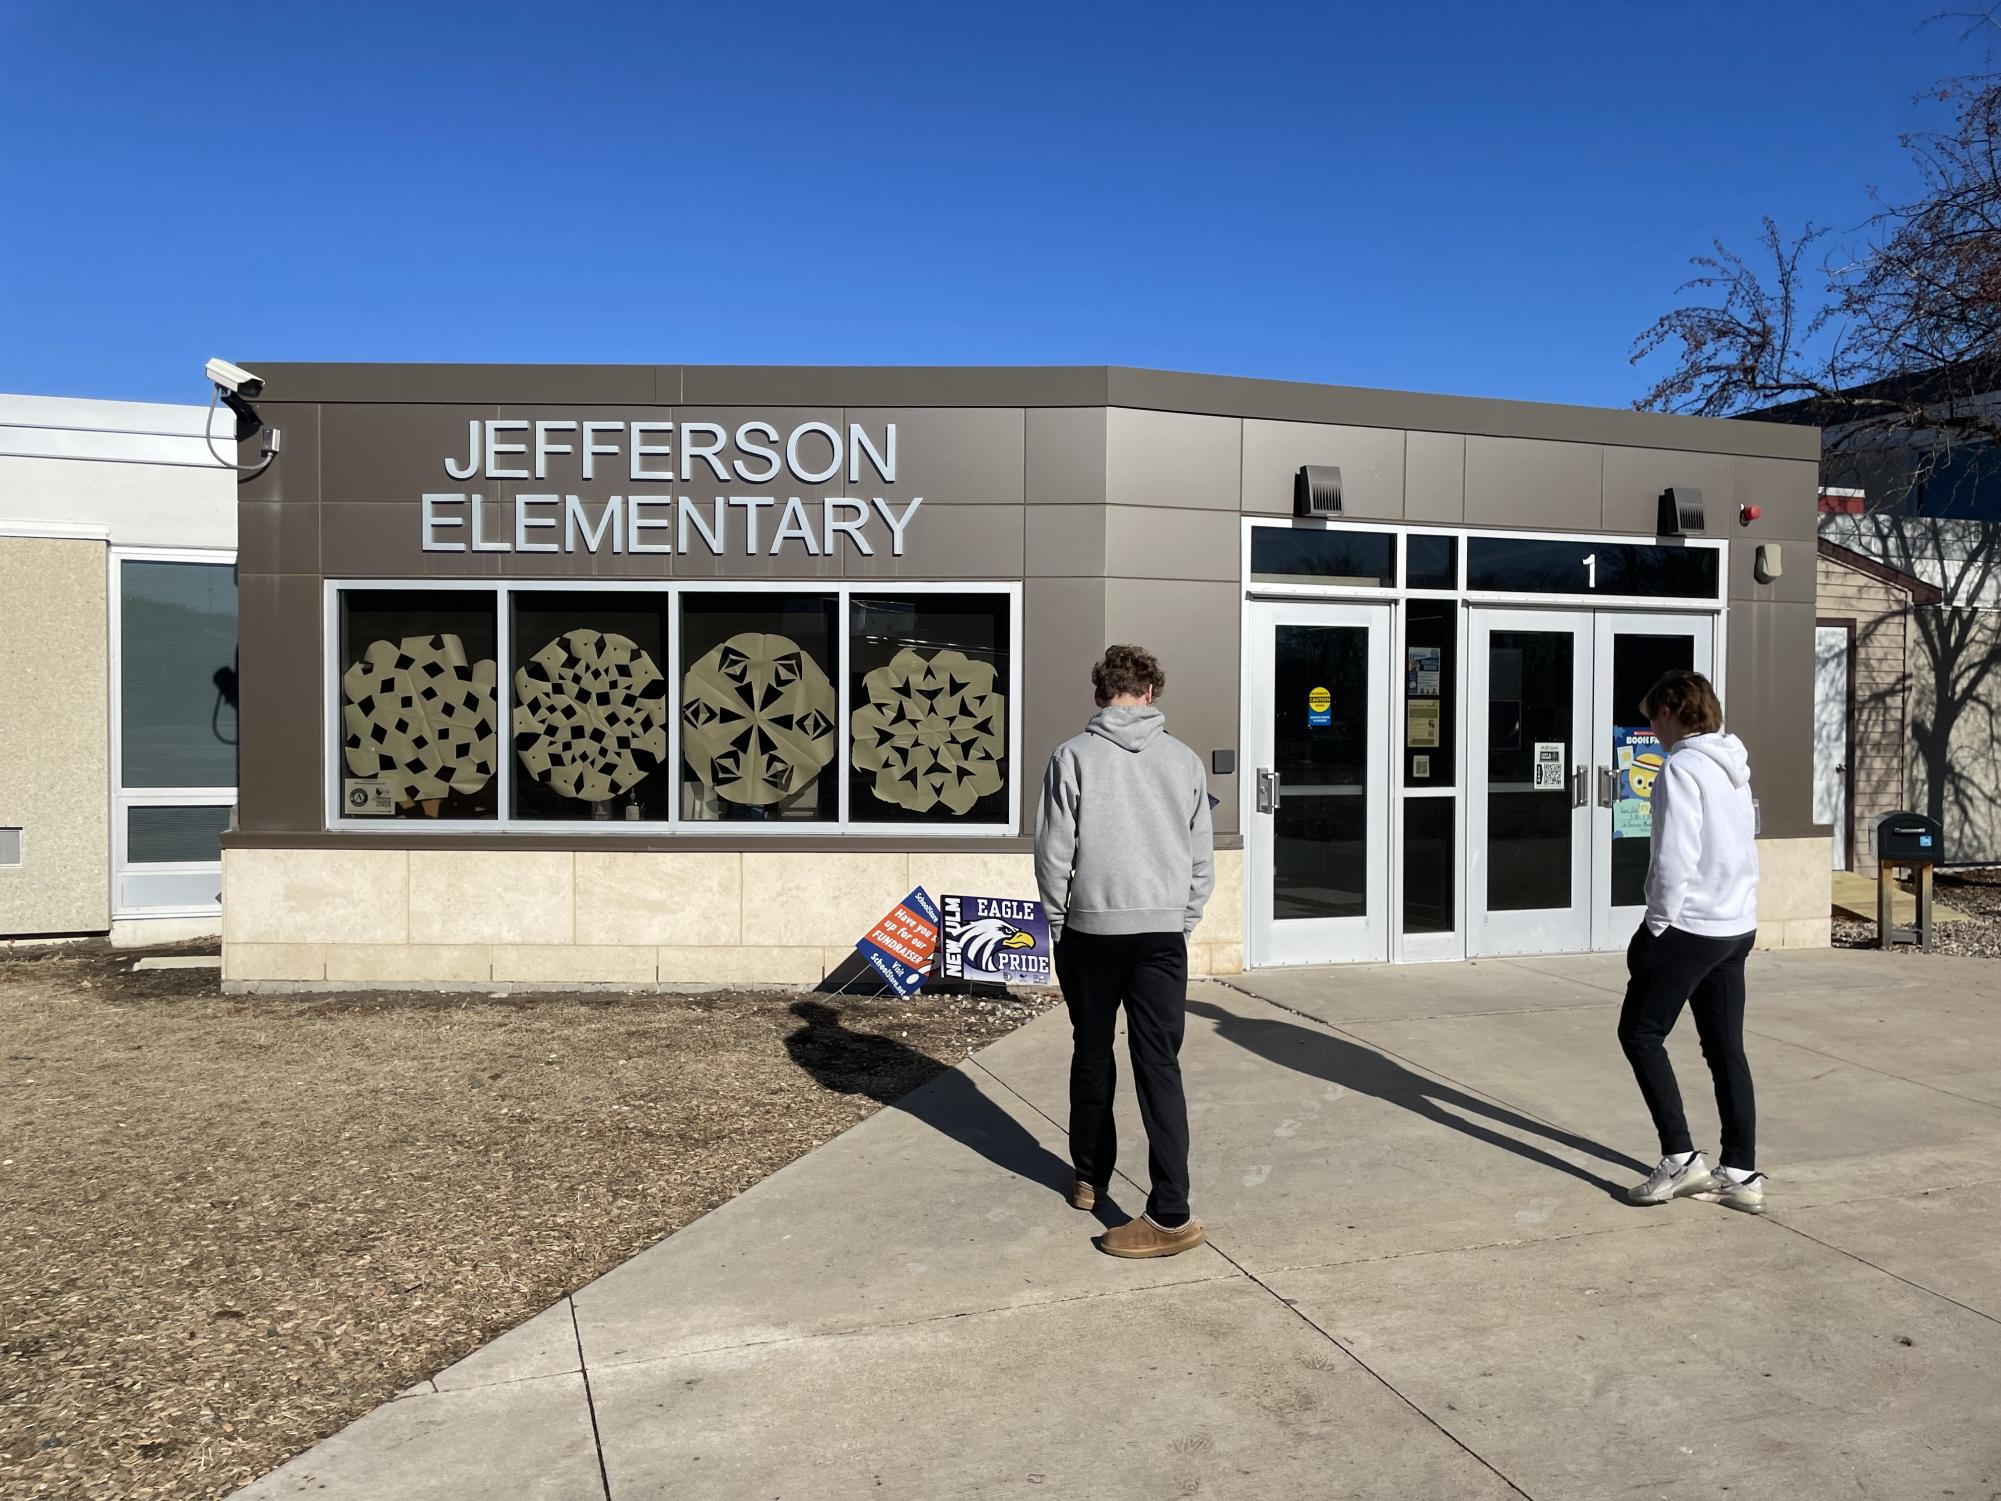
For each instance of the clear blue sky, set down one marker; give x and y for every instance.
(1484, 198)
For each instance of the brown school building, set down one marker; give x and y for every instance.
(647, 674)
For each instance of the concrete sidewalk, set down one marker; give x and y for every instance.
(1421, 1281)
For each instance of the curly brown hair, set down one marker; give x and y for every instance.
(1689, 698)
(1127, 670)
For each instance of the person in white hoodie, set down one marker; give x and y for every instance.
(1700, 924)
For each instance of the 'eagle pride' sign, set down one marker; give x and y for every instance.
(995, 940)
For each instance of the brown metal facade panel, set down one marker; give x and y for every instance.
(1173, 459)
(954, 542)
(1066, 455)
(281, 754)
(1784, 490)
(1371, 460)
(479, 385)
(1016, 487)
(974, 456)
(1066, 541)
(294, 475)
(1063, 632)
(1795, 584)
(1027, 386)
(1193, 628)
(1526, 482)
(1435, 478)
(278, 536)
(897, 386)
(1292, 401)
(1768, 703)
(1162, 542)
(383, 451)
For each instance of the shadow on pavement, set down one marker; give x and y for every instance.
(1322, 1055)
(895, 1074)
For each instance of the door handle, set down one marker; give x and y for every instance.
(1605, 780)
(1577, 782)
(1269, 795)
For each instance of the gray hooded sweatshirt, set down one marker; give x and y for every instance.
(1122, 839)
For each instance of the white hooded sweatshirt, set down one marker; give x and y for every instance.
(1703, 874)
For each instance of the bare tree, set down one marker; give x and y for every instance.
(1891, 345)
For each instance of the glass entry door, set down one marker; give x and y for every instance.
(1632, 651)
(1561, 772)
(1528, 711)
(1319, 760)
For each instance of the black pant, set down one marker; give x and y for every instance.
(1708, 974)
(1149, 973)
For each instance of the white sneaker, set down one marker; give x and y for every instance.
(1673, 1180)
(1747, 1197)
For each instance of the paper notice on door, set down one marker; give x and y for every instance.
(1549, 759)
(1421, 670)
(1421, 723)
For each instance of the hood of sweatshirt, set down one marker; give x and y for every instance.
(1130, 729)
(1727, 751)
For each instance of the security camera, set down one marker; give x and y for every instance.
(235, 379)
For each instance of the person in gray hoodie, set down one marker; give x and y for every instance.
(1701, 922)
(1124, 859)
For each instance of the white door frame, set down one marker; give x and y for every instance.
(1611, 926)
(1834, 780)
(1550, 930)
(1268, 939)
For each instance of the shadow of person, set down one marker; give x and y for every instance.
(1323, 1055)
(904, 1078)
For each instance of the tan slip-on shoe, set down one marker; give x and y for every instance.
(1082, 1195)
(1142, 1237)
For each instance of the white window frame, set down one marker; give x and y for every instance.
(843, 592)
(124, 799)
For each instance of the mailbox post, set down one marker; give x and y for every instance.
(1916, 843)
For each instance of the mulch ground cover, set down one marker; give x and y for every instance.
(229, 1225)
(1976, 894)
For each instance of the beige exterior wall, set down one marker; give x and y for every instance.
(54, 740)
(1795, 902)
(1956, 728)
(1881, 770)
(559, 919)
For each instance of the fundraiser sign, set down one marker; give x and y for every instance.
(1637, 760)
(901, 945)
(995, 941)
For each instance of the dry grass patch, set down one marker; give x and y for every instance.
(230, 1225)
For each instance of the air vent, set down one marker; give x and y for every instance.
(10, 847)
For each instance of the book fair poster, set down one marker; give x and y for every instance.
(992, 940)
(1637, 760)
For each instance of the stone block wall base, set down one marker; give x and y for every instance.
(503, 920)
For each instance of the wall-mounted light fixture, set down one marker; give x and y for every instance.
(1316, 490)
(1767, 564)
(1681, 512)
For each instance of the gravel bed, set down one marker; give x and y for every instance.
(1976, 893)
(229, 1225)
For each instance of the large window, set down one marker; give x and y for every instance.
(689, 705)
(590, 718)
(929, 716)
(419, 716)
(174, 654)
(759, 709)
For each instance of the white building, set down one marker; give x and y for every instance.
(117, 667)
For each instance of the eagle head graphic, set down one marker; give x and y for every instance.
(990, 934)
